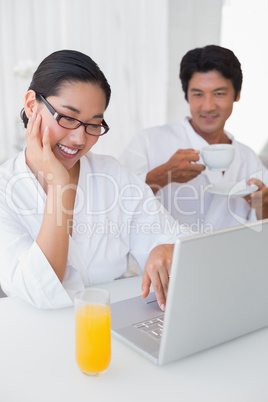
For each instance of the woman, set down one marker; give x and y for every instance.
(68, 217)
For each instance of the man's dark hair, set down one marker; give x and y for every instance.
(209, 58)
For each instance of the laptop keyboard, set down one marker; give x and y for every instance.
(152, 327)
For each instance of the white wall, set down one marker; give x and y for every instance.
(192, 23)
(245, 31)
(240, 25)
(125, 37)
(138, 44)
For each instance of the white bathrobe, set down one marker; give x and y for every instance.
(115, 214)
(191, 204)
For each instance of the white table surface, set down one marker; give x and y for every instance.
(37, 363)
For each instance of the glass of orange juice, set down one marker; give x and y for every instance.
(93, 330)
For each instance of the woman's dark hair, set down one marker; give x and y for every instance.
(65, 66)
(210, 58)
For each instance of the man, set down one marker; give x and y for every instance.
(168, 157)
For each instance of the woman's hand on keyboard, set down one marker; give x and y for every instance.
(156, 272)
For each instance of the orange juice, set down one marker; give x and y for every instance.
(93, 338)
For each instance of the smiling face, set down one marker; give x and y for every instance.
(83, 101)
(211, 98)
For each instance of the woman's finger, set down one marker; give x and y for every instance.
(45, 141)
(30, 124)
(33, 130)
(36, 127)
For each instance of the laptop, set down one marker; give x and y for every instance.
(218, 291)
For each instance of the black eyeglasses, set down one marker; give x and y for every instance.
(71, 124)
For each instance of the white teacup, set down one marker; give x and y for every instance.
(218, 157)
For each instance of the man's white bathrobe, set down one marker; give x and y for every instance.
(115, 214)
(191, 203)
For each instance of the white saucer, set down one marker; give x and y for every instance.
(232, 189)
(217, 169)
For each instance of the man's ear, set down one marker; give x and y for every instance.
(30, 104)
(238, 96)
